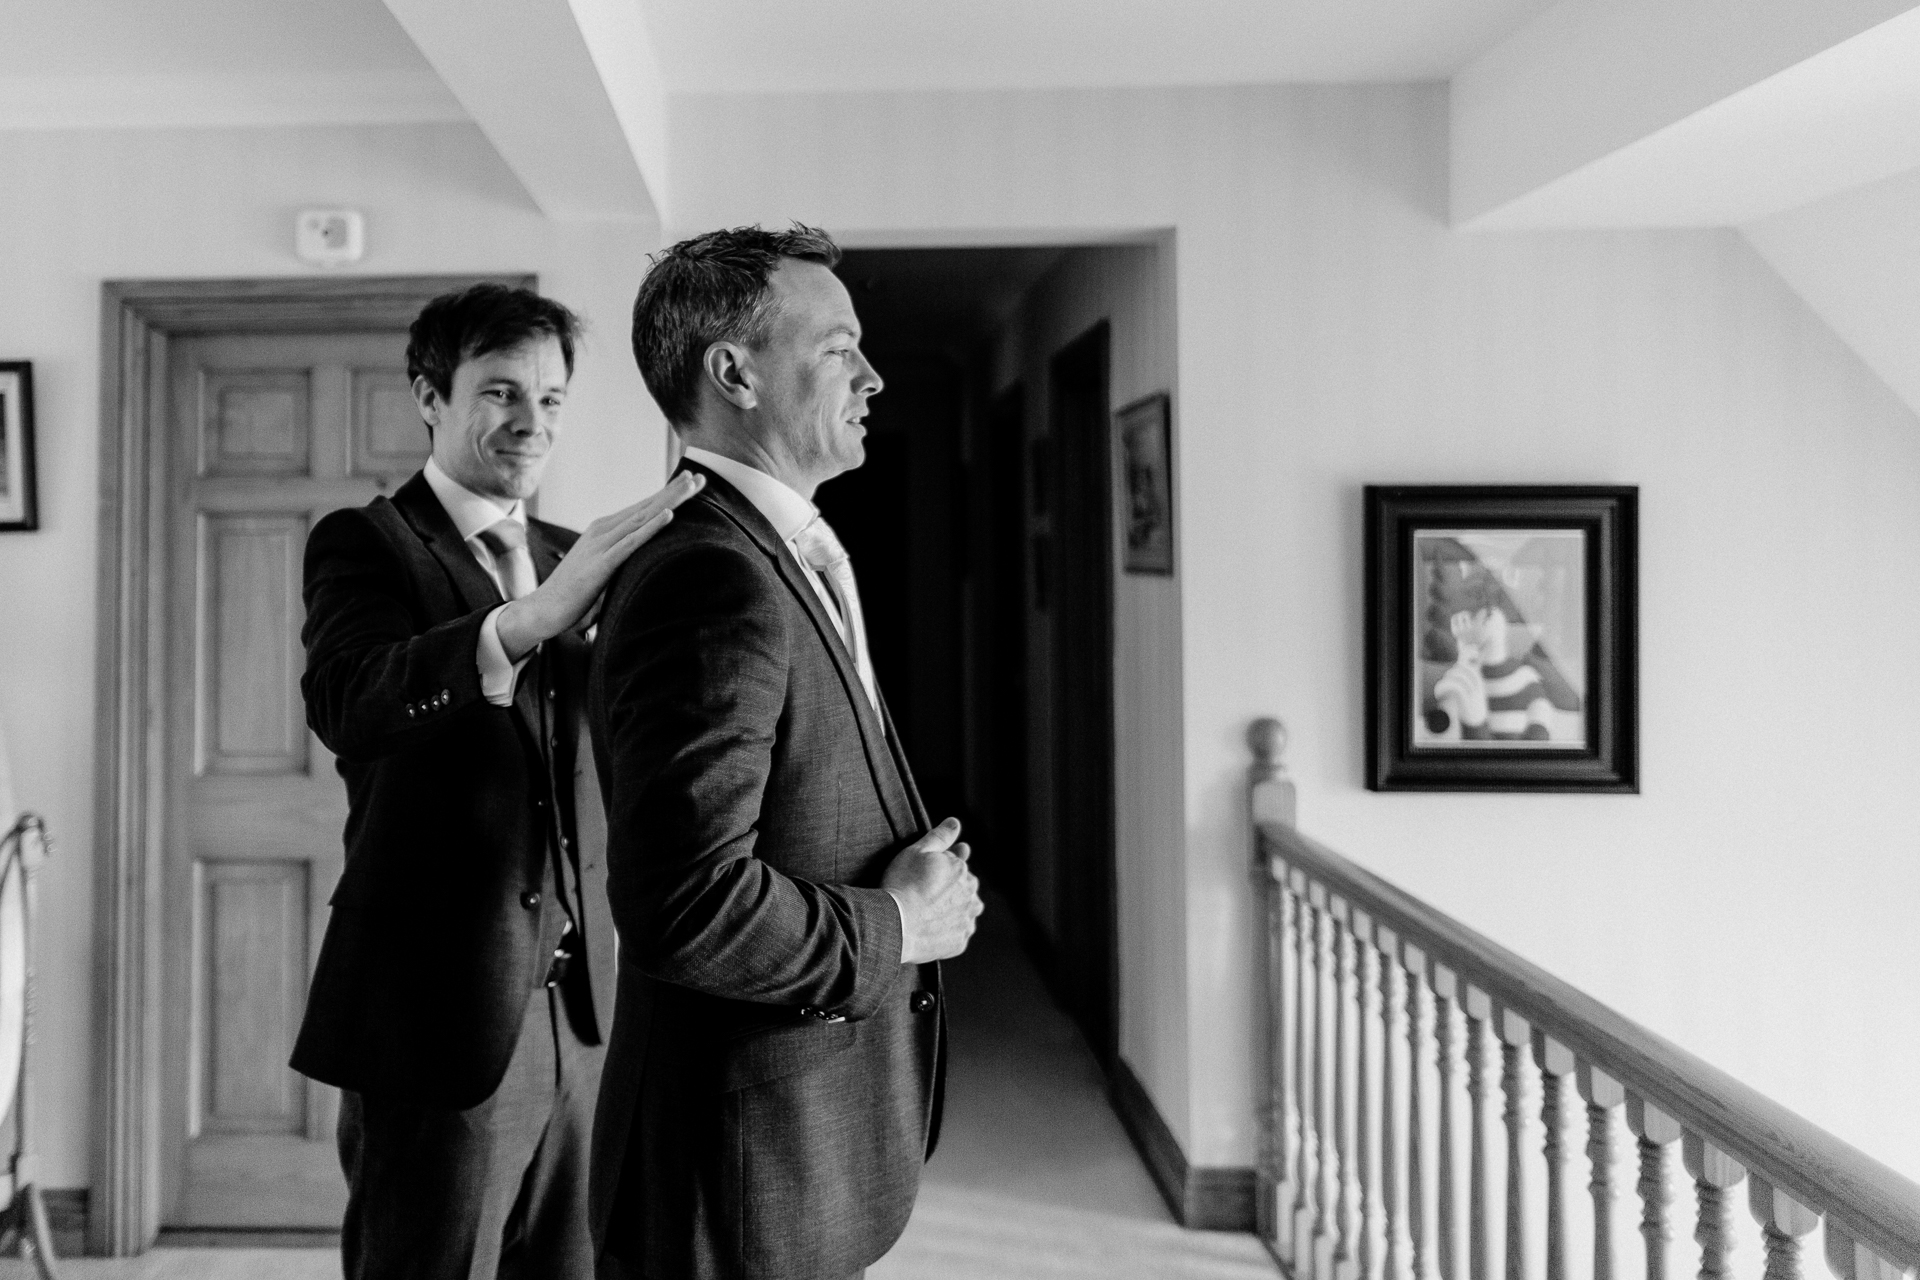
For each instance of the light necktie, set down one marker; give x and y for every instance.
(823, 553)
(508, 541)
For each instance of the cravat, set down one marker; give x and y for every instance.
(508, 541)
(822, 551)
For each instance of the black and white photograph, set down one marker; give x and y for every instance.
(959, 640)
(1501, 636)
(1145, 430)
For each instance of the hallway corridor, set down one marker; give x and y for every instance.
(1034, 1178)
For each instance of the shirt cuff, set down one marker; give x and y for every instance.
(901, 907)
(497, 673)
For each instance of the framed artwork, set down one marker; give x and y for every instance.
(1502, 638)
(18, 509)
(1145, 432)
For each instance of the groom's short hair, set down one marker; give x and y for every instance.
(711, 288)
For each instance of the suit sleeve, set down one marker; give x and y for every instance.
(378, 680)
(694, 665)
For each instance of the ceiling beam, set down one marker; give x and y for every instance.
(1683, 112)
(568, 91)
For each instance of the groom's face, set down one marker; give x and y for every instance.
(812, 380)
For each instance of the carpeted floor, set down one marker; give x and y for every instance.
(1034, 1179)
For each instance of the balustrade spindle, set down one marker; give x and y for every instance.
(1446, 1238)
(1714, 1173)
(1366, 961)
(1391, 1255)
(1514, 1036)
(1852, 1260)
(1276, 1205)
(1783, 1220)
(1555, 1062)
(1602, 1094)
(1322, 1058)
(1418, 1258)
(1656, 1131)
(1303, 1206)
(1479, 1235)
(1342, 1264)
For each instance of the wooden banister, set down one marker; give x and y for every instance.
(1798, 1174)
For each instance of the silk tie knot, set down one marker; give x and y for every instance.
(819, 546)
(504, 536)
(821, 550)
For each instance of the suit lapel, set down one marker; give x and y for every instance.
(922, 820)
(733, 504)
(416, 501)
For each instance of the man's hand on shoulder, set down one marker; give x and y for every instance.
(939, 898)
(564, 598)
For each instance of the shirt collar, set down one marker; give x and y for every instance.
(784, 508)
(470, 512)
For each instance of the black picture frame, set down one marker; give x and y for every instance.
(1461, 697)
(1143, 451)
(19, 498)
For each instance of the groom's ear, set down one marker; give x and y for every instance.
(725, 365)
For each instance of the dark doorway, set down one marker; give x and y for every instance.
(1003, 692)
(1082, 666)
(899, 516)
(981, 530)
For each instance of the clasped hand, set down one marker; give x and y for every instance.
(939, 897)
(582, 574)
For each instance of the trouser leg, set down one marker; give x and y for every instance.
(547, 1236)
(429, 1189)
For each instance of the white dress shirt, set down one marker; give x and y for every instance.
(471, 513)
(784, 509)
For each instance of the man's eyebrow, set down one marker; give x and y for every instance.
(852, 331)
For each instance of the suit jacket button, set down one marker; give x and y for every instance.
(922, 1001)
(411, 713)
(529, 899)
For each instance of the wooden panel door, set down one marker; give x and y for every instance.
(268, 433)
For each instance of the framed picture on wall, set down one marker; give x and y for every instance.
(18, 509)
(1502, 638)
(1145, 437)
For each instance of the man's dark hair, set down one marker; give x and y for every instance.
(478, 320)
(711, 288)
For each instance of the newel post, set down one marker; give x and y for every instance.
(1271, 789)
(1280, 1178)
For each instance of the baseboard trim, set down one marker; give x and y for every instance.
(67, 1215)
(1207, 1198)
(249, 1238)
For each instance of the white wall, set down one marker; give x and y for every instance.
(1752, 903)
(93, 206)
(1131, 287)
(1855, 258)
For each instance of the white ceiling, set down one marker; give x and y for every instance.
(54, 38)
(61, 53)
(736, 46)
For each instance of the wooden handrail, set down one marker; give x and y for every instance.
(1863, 1202)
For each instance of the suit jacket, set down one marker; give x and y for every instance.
(773, 1081)
(460, 836)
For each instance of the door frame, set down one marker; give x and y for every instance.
(139, 318)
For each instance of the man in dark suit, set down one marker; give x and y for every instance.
(462, 991)
(773, 1084)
